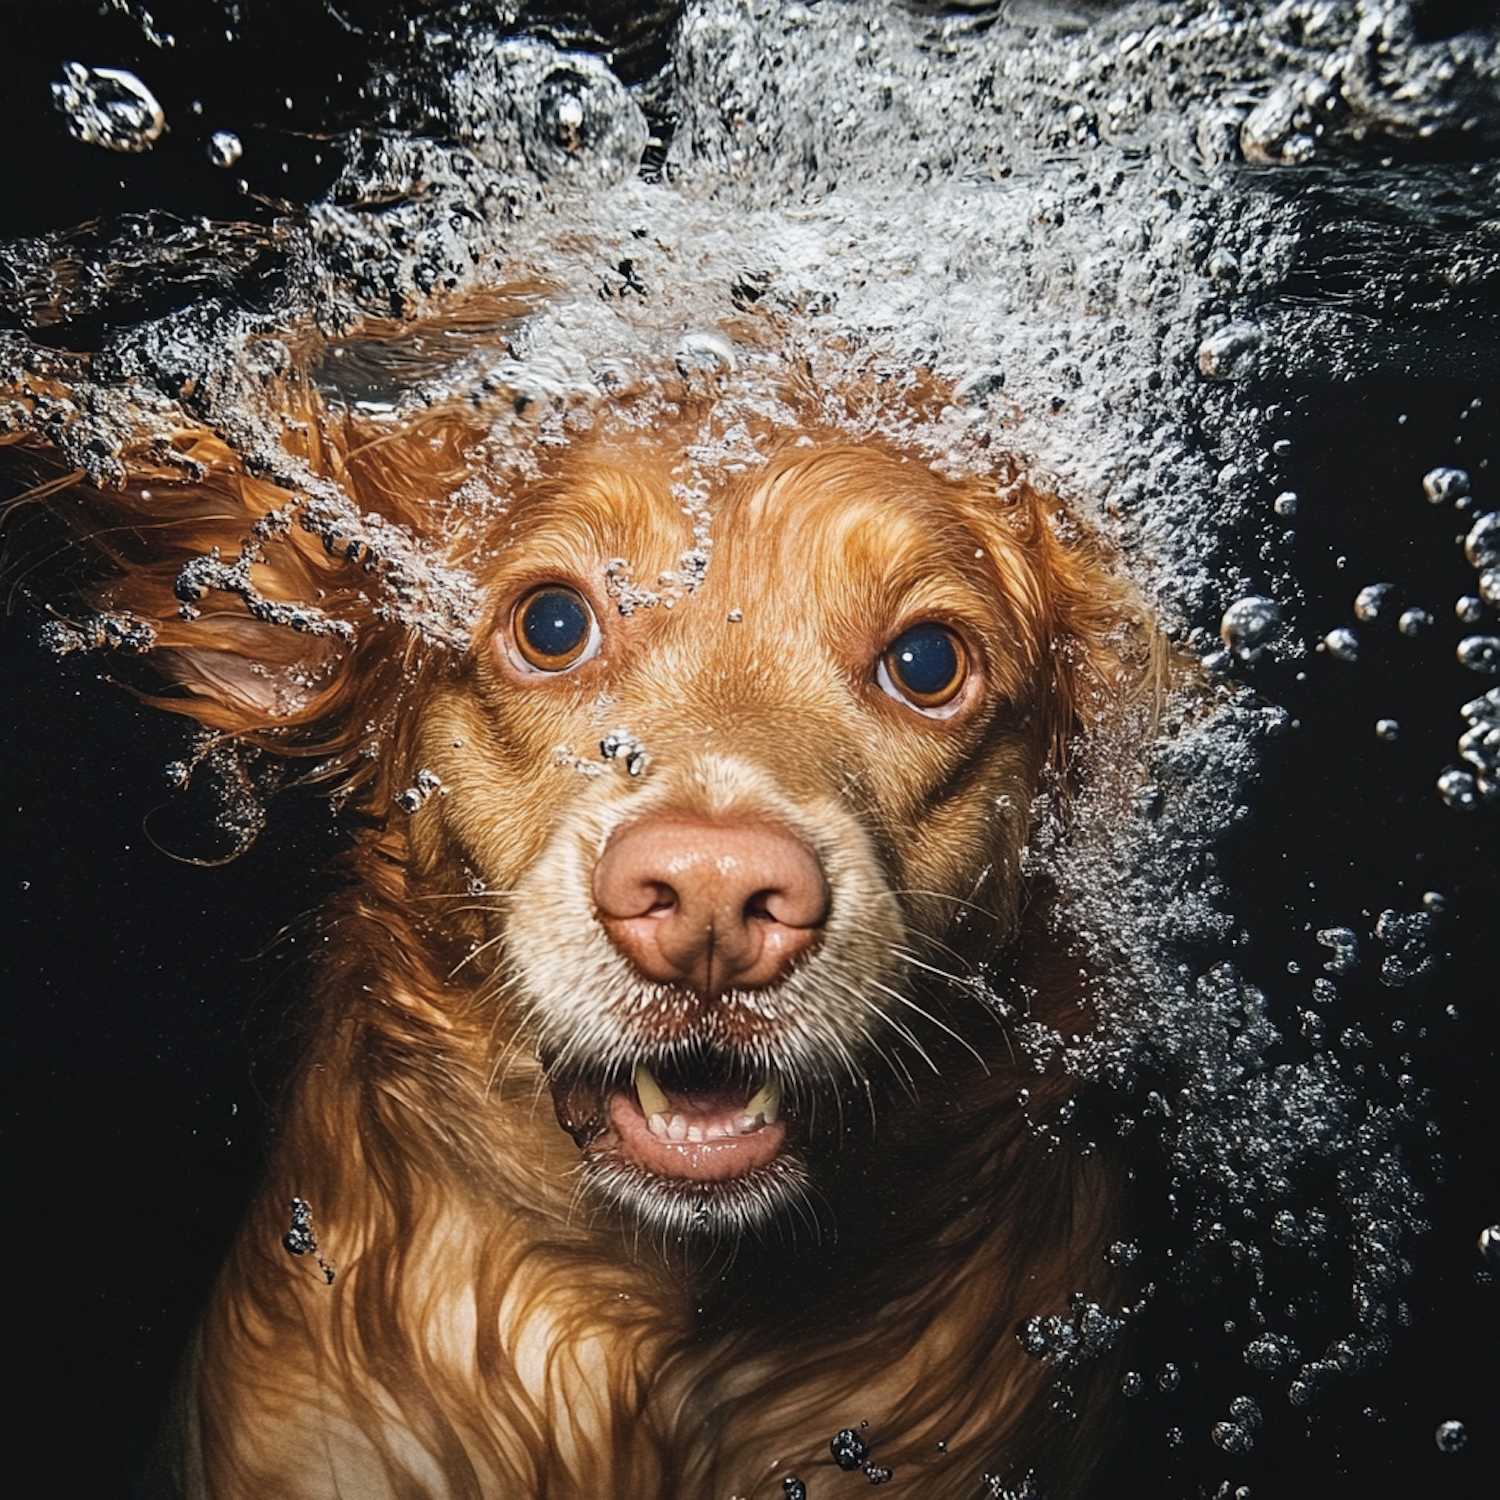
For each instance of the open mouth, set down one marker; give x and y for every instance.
(693, 1129)
(688, 1144)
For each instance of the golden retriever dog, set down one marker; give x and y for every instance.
(661, 1132)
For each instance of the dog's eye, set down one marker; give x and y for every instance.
(554, 629)
(925, 666)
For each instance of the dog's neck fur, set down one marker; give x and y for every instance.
(900, 1310)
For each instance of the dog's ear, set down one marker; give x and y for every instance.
(285, 599)
(1099, 653)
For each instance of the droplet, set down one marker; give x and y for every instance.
(848, 1448)
(1342, 643)
(1489, 586)
(1413, 621)
(224, 148)
(1285, 504)
(1386, 729)
(1468, 609)
(1489, 1243)
(1248, 624)
(1480, 653)
(108, 107)
(1444, 486)
(1450, 1436)
(1169, 1378)
(1371, 599)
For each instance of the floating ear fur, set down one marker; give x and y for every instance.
(291, 610)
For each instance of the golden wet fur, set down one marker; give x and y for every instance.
(493, 1326)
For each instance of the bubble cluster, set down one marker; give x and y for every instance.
(1446, 486)
(108, 107)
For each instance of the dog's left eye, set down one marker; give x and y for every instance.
(554, 629)
(925, 666)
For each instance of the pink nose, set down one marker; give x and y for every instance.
(716, 906)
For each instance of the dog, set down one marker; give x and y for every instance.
(660, 1128)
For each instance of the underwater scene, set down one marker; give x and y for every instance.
(828, 811)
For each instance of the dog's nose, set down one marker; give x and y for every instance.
(713, 905)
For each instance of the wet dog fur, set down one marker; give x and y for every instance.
(502, 1301)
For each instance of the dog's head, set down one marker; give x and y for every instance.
(740, 805)
(729, 791)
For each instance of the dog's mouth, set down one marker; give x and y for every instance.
(686, 1144)
(700, 1121)
(695, 1129)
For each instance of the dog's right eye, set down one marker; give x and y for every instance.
(554, 629)
(925, 666)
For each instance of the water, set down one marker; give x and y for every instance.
(1141, 245)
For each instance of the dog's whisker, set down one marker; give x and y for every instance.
(927, 1015)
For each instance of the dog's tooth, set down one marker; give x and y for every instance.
(745, 1122)
(649, 1092)
(657, 1124)
(677, 1128)
(695, 1133)
(767, 1103)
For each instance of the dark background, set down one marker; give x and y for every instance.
(146, 1000)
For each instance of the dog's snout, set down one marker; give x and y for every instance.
(709, 904)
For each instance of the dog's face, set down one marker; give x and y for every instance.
(831, 741)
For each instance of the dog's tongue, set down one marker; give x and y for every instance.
(704, 1135)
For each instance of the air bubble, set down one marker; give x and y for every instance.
(1285, 504)
(1458, 789)
(1489, 586)
(224, 148)
(1489, 1243)
(1371, 599)
(1468, 610)
(1231, 352)
(1387, 729)
(704, 354)
(108, 107)
(1480, 653)
(1444, 486)
(1482, 545)
(1413, 621)
(1450, 1436)
(577, 120)
(1342, 643)
(1248, 624)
